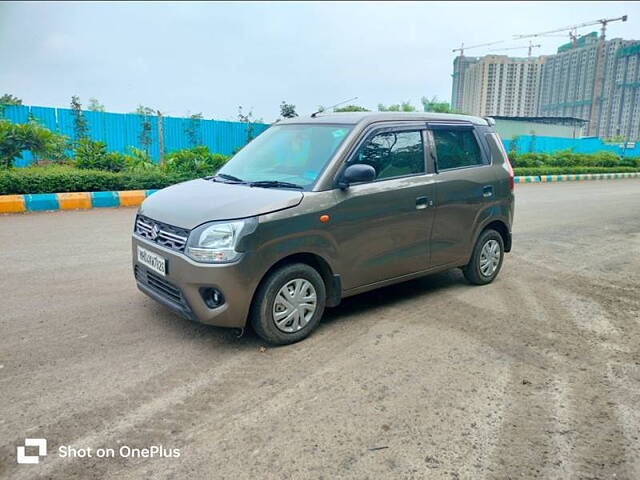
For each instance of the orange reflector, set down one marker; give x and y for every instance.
(324, 218)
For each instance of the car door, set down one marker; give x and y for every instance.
(382, 227)
(464, 187)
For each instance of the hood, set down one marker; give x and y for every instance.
(195, 202)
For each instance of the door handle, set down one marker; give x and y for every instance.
(421, 203)
(487, 191)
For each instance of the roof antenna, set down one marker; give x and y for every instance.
(313, 115)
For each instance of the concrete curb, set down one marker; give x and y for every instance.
(72, 201)
(132, 198)
(576, 177)
(528, 179)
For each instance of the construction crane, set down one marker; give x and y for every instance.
(463, 48)
(573, 34)
(573, 29)
(596, 95)
(529, 48)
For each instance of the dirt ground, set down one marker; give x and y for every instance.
(534, 376)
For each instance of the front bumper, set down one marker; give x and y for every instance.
(180, 288)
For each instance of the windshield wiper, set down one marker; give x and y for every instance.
(275, 183)
(225, 177)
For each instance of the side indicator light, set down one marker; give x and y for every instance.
(324, 218)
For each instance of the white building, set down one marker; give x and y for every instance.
(502, 85)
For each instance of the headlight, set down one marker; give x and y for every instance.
(216, 242)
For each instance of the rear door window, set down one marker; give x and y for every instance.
(457, 148)
(393, 154)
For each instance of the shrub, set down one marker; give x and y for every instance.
(196, 160)
(529, 160)
(139, 161)
(40, 141)
(630, 162)
(567, 158)
(570, 170)
(93, 155)
(55, 178)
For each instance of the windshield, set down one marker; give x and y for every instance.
(287, 153)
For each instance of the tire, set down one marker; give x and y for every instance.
(267, 304)
(473, 271)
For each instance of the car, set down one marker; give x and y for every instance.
(320, 208)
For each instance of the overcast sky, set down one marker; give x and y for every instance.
(211, 57)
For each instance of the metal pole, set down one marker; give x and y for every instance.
(160, 138)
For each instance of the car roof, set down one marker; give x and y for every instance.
(353, 118)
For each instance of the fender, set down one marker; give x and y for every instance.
(488, 216)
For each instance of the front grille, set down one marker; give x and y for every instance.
(168, 236)
(161, 286)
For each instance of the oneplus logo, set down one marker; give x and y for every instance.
(41, 443)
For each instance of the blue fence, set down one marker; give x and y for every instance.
(529, 143)
(122, 130)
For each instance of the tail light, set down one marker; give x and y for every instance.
(507, 163)
(510, 169)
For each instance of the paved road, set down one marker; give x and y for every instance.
(534, 376)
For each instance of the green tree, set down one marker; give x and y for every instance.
(532, 142)
(433, 105)
(288, 110)
(402, 107)
(192, 129)
(15, 138)
(8, 99)
(248, 119)
(142, 110)
(145, 127)
(614, 139)
(80, 128)
(513, 145)
(351, 108)
(95, 106)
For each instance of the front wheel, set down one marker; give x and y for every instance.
(288, 304)
(486, 259)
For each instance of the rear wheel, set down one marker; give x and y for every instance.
(288, 304)
(486, 259)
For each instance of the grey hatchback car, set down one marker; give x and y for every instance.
(320, 208)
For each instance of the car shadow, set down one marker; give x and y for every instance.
(349, 308)
(370, 301)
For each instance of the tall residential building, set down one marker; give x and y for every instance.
(569, 87)
(501, 85)
(624, 100)
(560, 85)
(460, 66)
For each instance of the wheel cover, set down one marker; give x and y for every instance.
(294, 306)
(489, 257)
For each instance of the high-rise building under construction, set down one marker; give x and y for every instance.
(571, 83)
(500, 85)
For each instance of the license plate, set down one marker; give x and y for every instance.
(155, 262)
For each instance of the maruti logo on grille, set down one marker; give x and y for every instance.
(155, 231)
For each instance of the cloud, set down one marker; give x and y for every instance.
(212, 57)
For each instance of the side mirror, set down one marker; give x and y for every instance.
(357, 173)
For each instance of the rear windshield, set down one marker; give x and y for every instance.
(287, 153)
